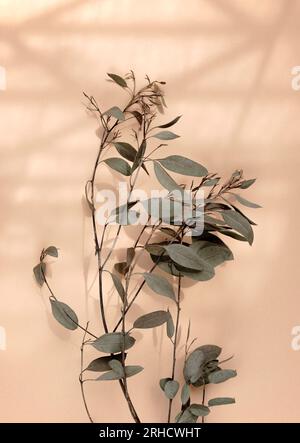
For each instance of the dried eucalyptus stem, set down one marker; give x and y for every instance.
(182, 243)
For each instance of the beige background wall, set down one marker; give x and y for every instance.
(228, 70)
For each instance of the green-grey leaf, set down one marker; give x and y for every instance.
(245, 202)
(183, 165)
(112, 375)
(166, 135)
(132, 370)
(212, 253)
(185, 256)
(218, 401)
(117, 367)
(160, 285)
(52, 251)
(116, 113)
(237, 222)
(171, 123)
(247, 183)
(64, 314)
(126, 150)
(165, 179)
(233, 234)
(152, 320)
(163, 381)
(187, 417)
(199, 410)
(117, 79)
(185, 393)
(113, 342)
(119, 165)
(170, 326)
(119, 287)
(221, 376)
(101, 364)
(192, 368)
(139, 156)
(108, 376)
(171, 389)
(211, 352)
(39, 271)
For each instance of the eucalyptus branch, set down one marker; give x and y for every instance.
(177, 256)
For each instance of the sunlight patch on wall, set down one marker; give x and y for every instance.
(2, 339)
(2, 79)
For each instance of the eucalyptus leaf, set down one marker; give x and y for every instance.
(185, 256)
(52, 251)
(151, 320)
(160, 285)
(185, 394)
(166, 135)
(171, 389)
(163, 382)
(126, 150)
(233, 234)
(119, 165)
(117, 367)
(101, 364)
(109, 376)
(187, 417)
(117, 79)
(183, 165)
(165, 179)
(169, 124)
(245, 202)
(221, 376)
(119, 287)
(170, 326)
(39, 270)
(192, 368)
(239, 223)
(116, 113)
(139, 156)
(133, 370)
(210, 352)
(218, 401)
(199, 410)
(212, 253)
(247, 183)
(113, 342)
(64, 314)
(130, 371)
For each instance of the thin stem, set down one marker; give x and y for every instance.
(175, 342)
(81, 372)
(203, 398)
